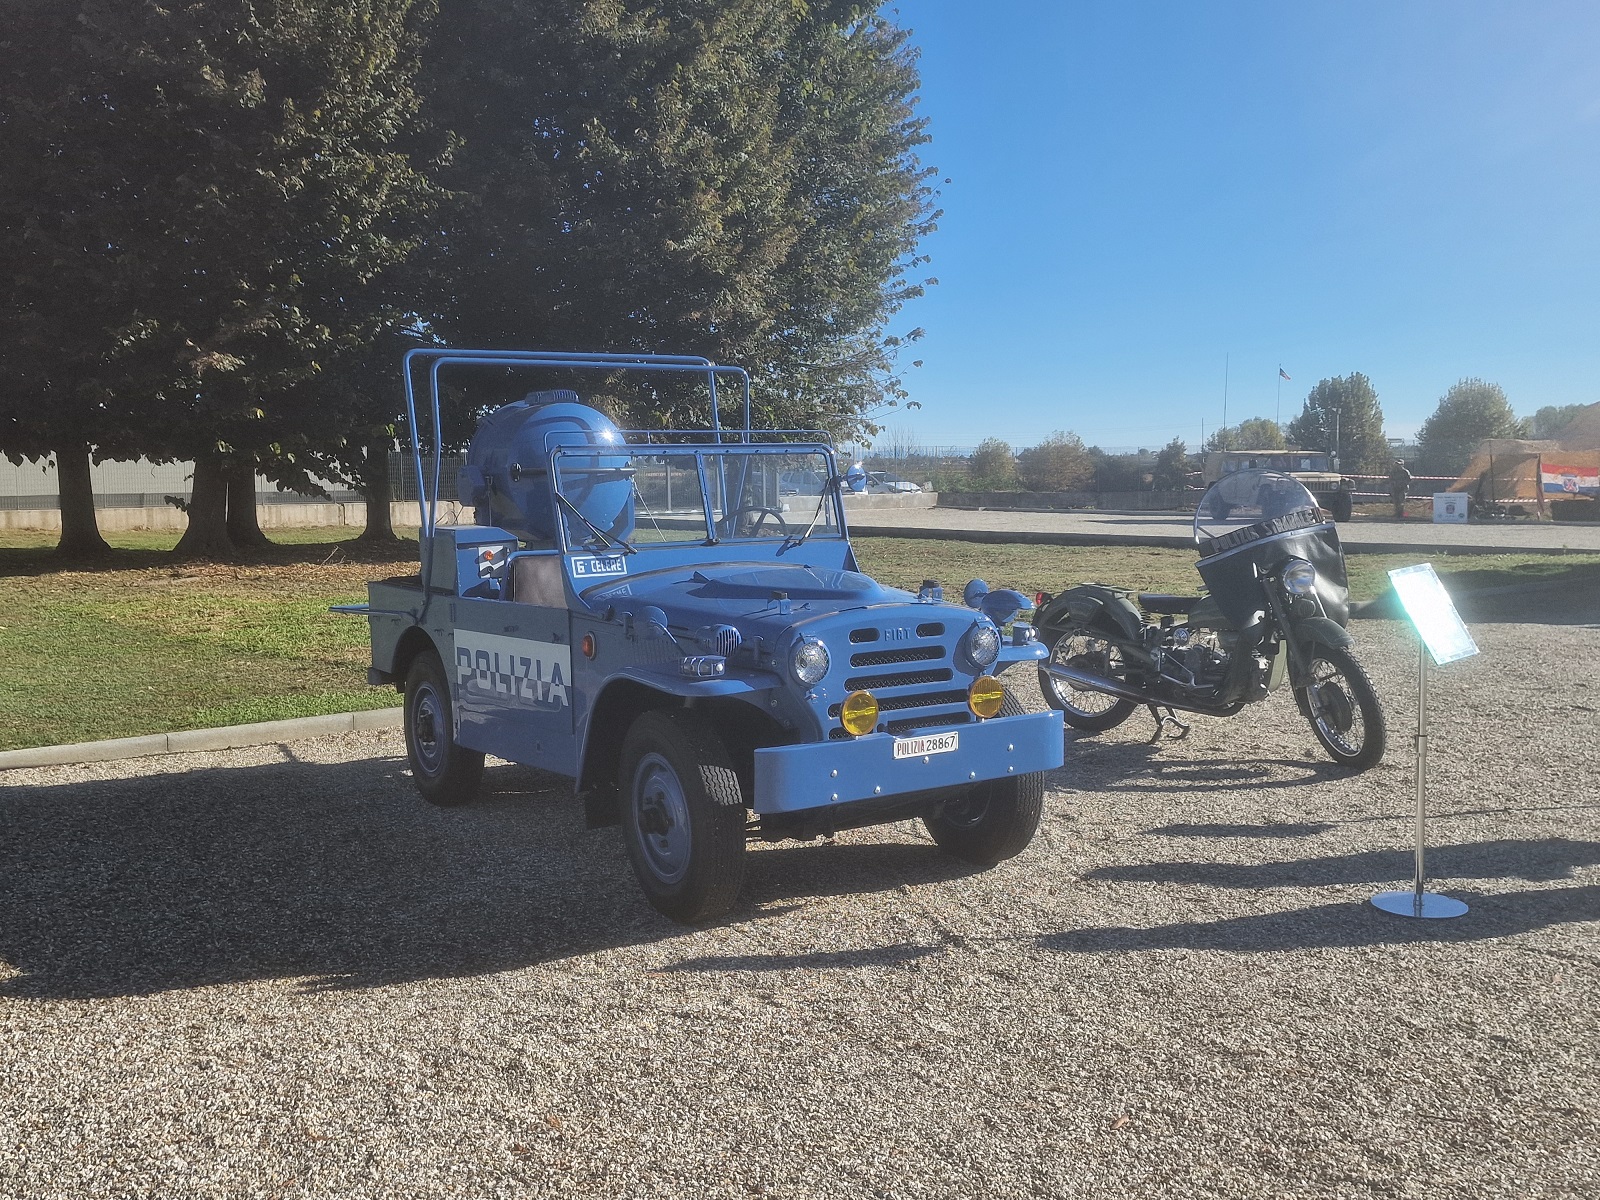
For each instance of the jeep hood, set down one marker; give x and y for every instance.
(745, 593)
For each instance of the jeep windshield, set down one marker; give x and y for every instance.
(1279, 460)
(699, 494)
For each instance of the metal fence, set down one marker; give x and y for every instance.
(143, 484)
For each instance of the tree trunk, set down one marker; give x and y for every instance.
(244, 524)
(207, 534)
(378, 492)
(80, 532)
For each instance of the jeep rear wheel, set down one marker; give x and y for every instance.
(445, 772)
(683, 816)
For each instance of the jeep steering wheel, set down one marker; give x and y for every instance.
(762, 513)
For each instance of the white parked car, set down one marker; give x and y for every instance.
(879, 481)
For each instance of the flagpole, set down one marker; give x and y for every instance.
(1277, 409)
(1224, 428)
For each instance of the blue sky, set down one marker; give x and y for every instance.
(1139, 192)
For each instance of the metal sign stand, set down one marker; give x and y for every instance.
(1417, 902)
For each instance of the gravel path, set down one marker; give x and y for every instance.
(275, 972)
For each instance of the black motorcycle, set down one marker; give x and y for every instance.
(1275, 610)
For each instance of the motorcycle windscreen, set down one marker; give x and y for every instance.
(1244, 498)
(1234, 576)
(1248, 525)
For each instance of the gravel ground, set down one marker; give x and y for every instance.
(276, 972)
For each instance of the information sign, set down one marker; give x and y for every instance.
(1449, 508)
(1432, 611)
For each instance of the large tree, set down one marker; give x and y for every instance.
(992, 467)
(735, 178)
(1256, 433)
(1549, 421)
(1342, 415)
(216, 183)
(1469, 412)
(1171, 472)
(1060, 463)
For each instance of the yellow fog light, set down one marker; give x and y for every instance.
(859, 713)
(985, 696)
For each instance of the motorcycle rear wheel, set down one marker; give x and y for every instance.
(1343, 709)
(1088, 649)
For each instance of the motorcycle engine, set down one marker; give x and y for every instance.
(1200, 655)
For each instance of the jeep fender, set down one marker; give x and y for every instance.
(634, 690)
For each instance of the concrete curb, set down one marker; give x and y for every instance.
(229, 737)
(1040, 537)
(1032, 537)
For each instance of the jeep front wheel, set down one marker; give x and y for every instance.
(683, 816)
(991, 821)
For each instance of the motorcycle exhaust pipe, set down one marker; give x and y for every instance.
(1122, 691)
(1095, 683)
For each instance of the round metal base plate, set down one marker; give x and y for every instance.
(1410, 904)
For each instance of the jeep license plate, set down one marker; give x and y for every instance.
(933, 743)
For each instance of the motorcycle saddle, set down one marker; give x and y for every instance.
(1160, 602)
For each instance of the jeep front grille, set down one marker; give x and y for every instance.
(920, 700)
(898, 679)
(908, 699)
(928, 720)
(884, 658)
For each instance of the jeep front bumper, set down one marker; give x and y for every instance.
(822, 774)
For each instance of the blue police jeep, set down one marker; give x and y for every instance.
(667, 620)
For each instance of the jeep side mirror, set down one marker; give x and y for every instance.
(856, 478)
(654, 623)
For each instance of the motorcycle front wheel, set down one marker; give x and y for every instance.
(1087, 650)
(1343, 709)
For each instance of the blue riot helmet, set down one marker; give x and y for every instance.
(507, 474)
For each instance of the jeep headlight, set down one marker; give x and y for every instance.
(808, 661)
(1299, 577)
(980, 645)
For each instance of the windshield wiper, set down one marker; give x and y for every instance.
(608, 539)
(791, 543)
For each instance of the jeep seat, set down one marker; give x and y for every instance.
(536, 578)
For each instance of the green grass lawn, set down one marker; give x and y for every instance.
(142, 644)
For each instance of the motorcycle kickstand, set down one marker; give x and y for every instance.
(1165, 719)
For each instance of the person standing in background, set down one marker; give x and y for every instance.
(1399, 485)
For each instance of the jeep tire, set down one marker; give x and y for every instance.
(445, 772)
(683, 815)
(991, 821)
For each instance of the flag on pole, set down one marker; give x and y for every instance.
(1282, 374)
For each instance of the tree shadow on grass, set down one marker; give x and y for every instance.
(29, 561)
(1344, 924)
(341, 875)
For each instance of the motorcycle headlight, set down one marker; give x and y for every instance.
(980, 645)
(808, 661)
(1299, 577)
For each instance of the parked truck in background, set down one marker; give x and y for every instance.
(1318, 471)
